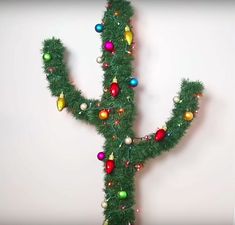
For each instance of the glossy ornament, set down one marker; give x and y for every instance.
(120, 111)
(188, 116)
(99, 28)
(117, 13)
(160, 135)
(51, 69)
(139, 167)
(128, 140)
(83, 106)
(176, 99)
(109, 46)
(128, 35)
(133, 82)
(104, 204)
(105, 66)
(104, 114)
(99, 60)
(61, 104)
(114, 88)
(110, 164)
(122, 195)
(101, 156)
(47, 57)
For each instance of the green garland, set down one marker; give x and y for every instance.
(114, 114)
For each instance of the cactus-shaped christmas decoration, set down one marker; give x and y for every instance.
(113, 115)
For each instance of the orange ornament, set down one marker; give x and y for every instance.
(188, 116)
(104, 114)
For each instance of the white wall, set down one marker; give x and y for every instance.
(49, 173)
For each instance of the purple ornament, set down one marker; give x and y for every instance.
(109, 46)
(101, 156)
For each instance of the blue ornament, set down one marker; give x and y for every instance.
(99, 28)
(133, 82)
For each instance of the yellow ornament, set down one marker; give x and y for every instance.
(104, 114)
(128, 35)
(188, 116)
(61, 104)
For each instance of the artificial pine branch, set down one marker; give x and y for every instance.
(114, 114)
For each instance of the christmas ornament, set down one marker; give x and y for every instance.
(122, 195)
(104, 114)
(109, 46)
(139, 167)
(114, 116)
(61, 102)
(99, 28)
(110, 164)
(114, 88)
(188, 116)
(101, 156)
(47, 57)
(128, 140)
(128, 35)
(83, 106)
(105, 65)
(117, 13)
(176, 99)
(99, 60)
(133, 82)
(160, 135)
(104, 204)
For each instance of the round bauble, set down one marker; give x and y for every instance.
(122, 195)
(109, 46)
(101, 156)
(99, 28)
(99, 59)
(133, 82)
(104, 114)
(83, 106)
(176, 99)
(188, 116)
(128, 140)
(104, 204)
(47, 57)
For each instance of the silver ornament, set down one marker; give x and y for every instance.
(104, 204)
(83, 106)
(176, 99)
(99, 59)
(128, 140)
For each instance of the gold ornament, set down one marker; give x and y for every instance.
(117, 13)
(128, 35)
(188, 116)
(104, 114)
(61, 104)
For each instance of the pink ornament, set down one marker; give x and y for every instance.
(109, 46)
(101, 156)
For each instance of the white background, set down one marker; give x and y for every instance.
(49, 173)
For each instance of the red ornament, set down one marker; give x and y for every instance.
(110, 165)
(160, 135)
(105, 65)
(114, 88)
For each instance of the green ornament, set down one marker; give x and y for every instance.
(47, 57)
(122, 195)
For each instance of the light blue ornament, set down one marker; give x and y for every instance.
(133, 82)
(99, 28)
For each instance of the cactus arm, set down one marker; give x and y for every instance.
(176, 125)
(57, 75)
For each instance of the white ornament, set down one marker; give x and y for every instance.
(83, 106)
(99, 59)
(128, 140)
(176, 99)
(104, 204)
